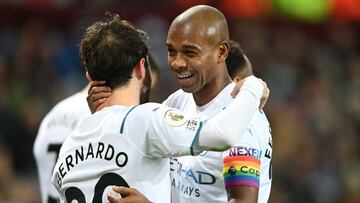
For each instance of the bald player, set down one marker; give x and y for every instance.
(198, 45)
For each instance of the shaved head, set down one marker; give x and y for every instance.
(208, 22)
(198, 44)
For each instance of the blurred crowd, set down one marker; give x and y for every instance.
(314, 108)
(313, 71)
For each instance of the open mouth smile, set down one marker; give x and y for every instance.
(184, 76)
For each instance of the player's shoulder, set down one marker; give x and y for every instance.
(259, 129)
(178, 92)
(151, 112)
(178, 98)
(259, 126)
(147, 108)
(60, 120)
(73, 103)
(137, 111)
(260, 119)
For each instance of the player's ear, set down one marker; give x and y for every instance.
(223, 51)
(237, 79)
(88, 76)
(140, 69)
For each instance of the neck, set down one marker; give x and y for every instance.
(211, 90)
(128, 95)
(86, 88)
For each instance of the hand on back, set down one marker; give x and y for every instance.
(128, 195)
(264, 97)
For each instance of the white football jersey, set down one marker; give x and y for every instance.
(124, 146)
(54, 129)
(200, 178)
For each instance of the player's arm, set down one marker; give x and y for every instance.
(229, 126)
(263, 99)
(242, 194)
(172, 133)
(242, 174)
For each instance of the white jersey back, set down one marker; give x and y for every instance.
(124, 146)
(200, 178)
(54, 129)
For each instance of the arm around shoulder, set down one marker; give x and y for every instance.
(225, 129)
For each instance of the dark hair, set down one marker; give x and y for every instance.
(111, 48)
(235, 62)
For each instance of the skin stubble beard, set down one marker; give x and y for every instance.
(146, 86)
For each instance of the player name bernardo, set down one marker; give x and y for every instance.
(102, 151)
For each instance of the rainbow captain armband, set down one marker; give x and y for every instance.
(241, 171)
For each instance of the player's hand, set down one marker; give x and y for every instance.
(97, 95)
(128, 195)
(264, 97)
(266, 94)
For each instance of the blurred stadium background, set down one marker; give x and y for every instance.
(307, 50)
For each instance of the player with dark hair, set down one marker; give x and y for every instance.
(237, 63)
(56, 126)
(257, 138)
(112, 55)
(125, 143)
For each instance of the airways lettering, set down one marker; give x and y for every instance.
(186, 190)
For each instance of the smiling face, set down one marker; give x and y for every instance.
(192, 56)
(198, 45)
